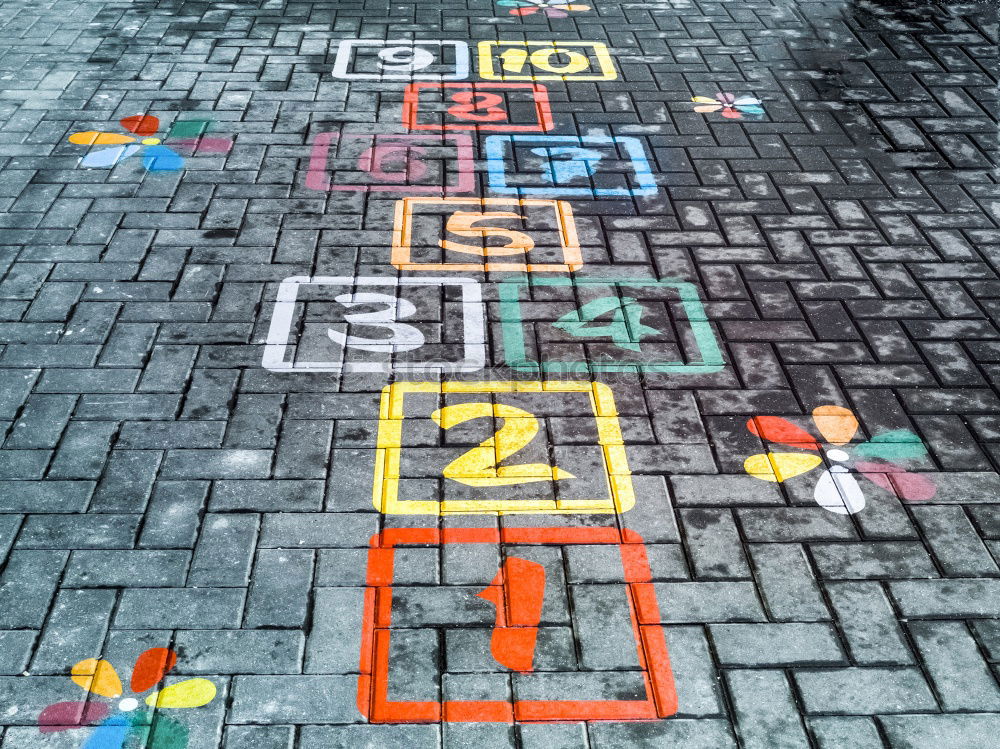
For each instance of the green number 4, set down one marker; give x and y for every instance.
(625, 328)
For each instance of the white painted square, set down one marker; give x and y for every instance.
(382, 307)
(401, 60)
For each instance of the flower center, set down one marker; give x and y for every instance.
(838, 455)
(128, 704)
(150, 141)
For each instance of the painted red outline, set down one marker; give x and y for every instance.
(373, 682)
(540, 94)
(318, 175)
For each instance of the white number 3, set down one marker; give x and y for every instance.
(403, 337)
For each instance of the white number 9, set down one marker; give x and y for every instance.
(404, 59)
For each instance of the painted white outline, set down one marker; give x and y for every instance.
(283, 316)
(345, 56)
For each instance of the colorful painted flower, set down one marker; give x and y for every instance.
(130, 727)
(551, 8)
(837, 490)
(729, 105)
(155, 157)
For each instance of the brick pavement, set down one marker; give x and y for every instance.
(772, 522)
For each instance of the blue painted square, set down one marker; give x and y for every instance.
(579, 173)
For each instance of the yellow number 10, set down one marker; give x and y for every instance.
(514, 59)
(480, 465)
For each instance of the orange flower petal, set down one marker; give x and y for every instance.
(150, 668)
(95, 138)
(98, 677)
(776, 429)
(838, 425)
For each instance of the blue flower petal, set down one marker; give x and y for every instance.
(161, 158)
(107, 157)
(110, 733)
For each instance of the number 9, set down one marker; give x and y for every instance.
(404, 59)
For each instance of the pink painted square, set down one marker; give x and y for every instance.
(414, 164)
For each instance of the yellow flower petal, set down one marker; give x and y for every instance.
(98, 677)
(703, 100)
(95, 138)
(188, 693)
(780, 466)
(837, 425)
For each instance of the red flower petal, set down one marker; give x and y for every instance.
(914, 487)
(777, 429)
(65, 715)
(150, 668)
(141, 124)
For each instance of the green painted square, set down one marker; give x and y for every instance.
(189, 129)
(515, 352)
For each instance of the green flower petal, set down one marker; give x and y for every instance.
(899, 444)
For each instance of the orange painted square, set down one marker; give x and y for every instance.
(402, 236)
(375, 670)
(539, 95)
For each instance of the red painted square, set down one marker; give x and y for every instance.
(485, 107)
(373, 683)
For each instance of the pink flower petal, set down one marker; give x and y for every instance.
(65, 715)
(726, 99)
(914, 487)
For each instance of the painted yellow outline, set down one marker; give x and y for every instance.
(402, 239)
(600, 53)
(388, 449)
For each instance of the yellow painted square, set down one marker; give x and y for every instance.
(496, 56)
(618, 477)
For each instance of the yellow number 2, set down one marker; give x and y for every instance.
(480, 465)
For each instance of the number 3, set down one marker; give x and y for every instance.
(480, 465)
(403, 337)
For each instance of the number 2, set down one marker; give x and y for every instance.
(480, 465)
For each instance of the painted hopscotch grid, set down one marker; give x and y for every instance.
(424, 235)
(652, 682)
(484, 107)
(296, 334)
(575, 331)
(402, 484)
(503, 60)
(597, 166)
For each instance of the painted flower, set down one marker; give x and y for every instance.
(729, 105)
(837, 490)
(551, 8)
(155, 157)
(130, 727)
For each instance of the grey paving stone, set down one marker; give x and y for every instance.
(959, 731)
(708, 602)
(280, 592)
(224, 553)
(869, 624)
(864, 691)
(695, 677)
(874, 560)
(714, 734)
(78, 623)
(294, 699)
(775, 644)
(370, 737)
(180, 608)
(955, 599)
(954, 541)
(766, 715)
(787, 584)
(259, 737)
(102, 568)
(830, 733)
(961, 676)
(239, 652)
(15, 650)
